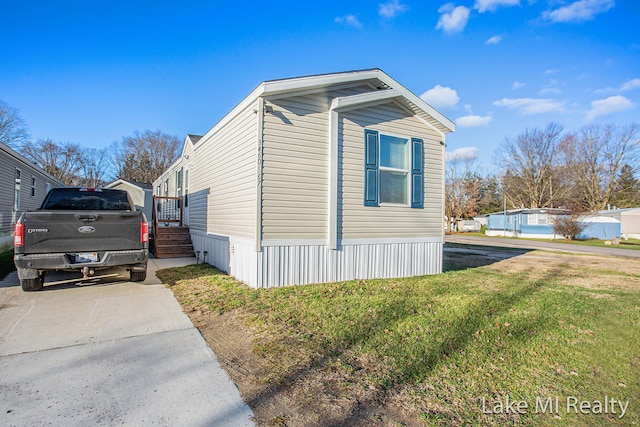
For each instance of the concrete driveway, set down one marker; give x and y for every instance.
(105, 351)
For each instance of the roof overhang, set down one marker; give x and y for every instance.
(377, 77)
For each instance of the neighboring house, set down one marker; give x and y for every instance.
(599, 227)
(23, 186)
(482, 219)
(629, 219)
(318, 179)
(141, 194)
(538, 223)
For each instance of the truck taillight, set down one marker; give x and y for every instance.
(144, 232)
(18, 234)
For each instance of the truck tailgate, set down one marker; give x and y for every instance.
(81, 231)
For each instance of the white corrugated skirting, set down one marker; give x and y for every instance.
(300, 264)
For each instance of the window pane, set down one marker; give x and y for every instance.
(393, 187)
(394, 152)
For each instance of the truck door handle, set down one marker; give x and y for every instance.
(86, 217)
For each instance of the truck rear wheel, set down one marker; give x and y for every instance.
(138, 276)
(31, 285)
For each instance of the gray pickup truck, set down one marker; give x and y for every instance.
(83, 229)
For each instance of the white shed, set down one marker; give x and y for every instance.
(318, 179)
(141, 194)
(629, 221)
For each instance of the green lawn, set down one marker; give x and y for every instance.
(446, 342)
(6, 263)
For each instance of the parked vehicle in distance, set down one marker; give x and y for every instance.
(83, 229)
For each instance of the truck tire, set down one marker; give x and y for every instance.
(138, 276)
(31, 285)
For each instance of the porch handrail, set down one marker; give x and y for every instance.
(167, 210)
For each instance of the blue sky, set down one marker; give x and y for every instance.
(92, 72)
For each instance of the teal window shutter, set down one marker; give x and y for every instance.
(371, 147)
(417, 173)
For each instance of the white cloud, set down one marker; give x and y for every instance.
(625, 87)
(492, 5)
(391, 9)
(441, 97)
(579, 11)
(550, 71)
(552, 88)
(473, 121)
(494, 40)
(610, 105)
(630, 85)
(452, 19)
(518, 85)
(528, 106)
(465, 153)
(350, 20)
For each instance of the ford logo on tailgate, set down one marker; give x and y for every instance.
(86, 229)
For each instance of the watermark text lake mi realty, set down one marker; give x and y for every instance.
(555, 405)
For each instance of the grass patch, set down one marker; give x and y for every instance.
(443, 343)
(6, 263)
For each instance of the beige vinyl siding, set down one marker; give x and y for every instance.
(294, 186)
(295, 174)
(223, 179)
(359, 221)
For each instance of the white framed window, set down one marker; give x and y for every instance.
(393, 170)
(537, 219)
(166, 187)
(33, 186)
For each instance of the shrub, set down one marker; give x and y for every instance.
(568, 226)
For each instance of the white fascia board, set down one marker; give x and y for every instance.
(278, 86)
(356, 101)
(302, 83)
(448, 124)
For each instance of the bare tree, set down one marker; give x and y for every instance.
(596, 157)
(94, 166)
(529, 160)
(62, 161)
(13, 130)
(144, 157)
(462, 187)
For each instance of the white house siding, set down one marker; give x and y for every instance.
(294, 176)
(382, 242)
(222, 196)
(10, 160)
(294, 179)
(223, 179)
(299, 264)
(359, 221)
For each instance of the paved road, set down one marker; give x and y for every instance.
(105, 351)
(532, 244)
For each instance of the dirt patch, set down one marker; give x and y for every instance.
(321, 394)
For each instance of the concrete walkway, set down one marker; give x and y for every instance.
(532, 244)
(105, 351)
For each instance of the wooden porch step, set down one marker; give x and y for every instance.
(173, 242)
